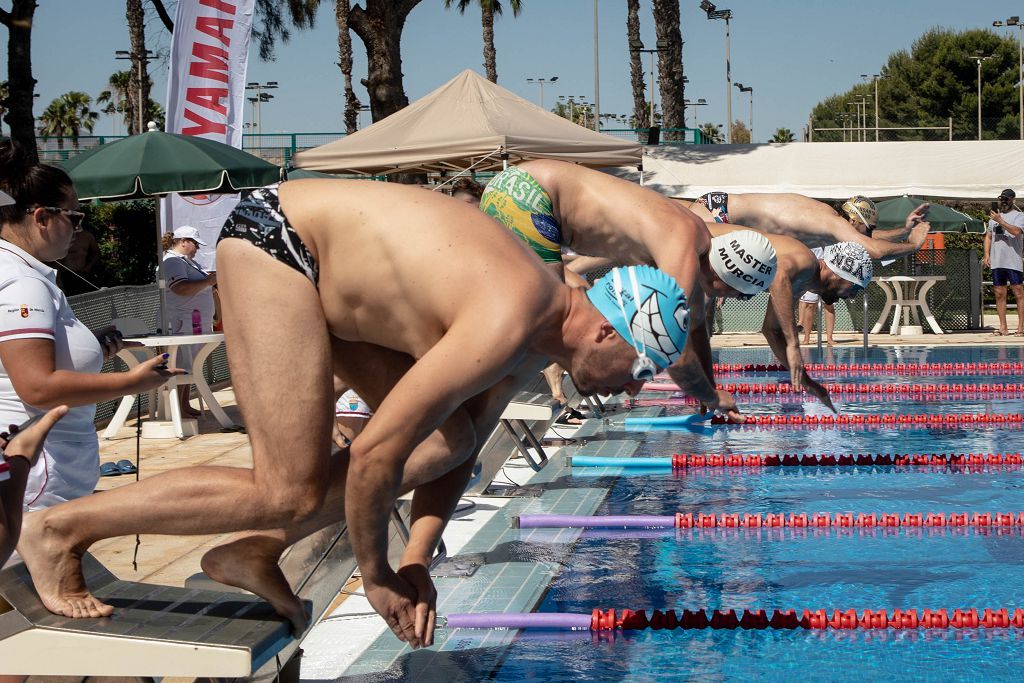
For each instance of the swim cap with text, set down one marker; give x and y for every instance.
(745, 260)
(849, 261)
(659, 322)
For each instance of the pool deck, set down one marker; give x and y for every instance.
(171, 560)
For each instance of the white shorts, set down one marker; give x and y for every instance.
(65, 470)
(351, 405)
(809, 298)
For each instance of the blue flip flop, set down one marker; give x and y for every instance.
(126, 467)
(109, 469)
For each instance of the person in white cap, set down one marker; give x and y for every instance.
(190, 306)
(553, 204)
(815, 223)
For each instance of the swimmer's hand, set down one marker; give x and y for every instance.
(28, 442)
(725, 405)
(408, 602)
(341, 440)
(796, 367)
(821, 392)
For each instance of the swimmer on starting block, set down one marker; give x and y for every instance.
(840, 272)
(550, 204)
(814, 223)
(436, 316)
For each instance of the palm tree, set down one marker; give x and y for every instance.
(18, 21)
(712, 133)
(67, 116)
(379, 25)
(670, 64)
(352, 103)
(118, 97)
(488, 10)
(3, 103)
(783, 135)
(636, 69)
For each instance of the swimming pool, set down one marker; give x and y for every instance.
(789, 568)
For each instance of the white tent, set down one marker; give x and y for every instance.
(467, 122)
(837, 170)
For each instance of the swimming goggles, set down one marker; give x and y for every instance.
(643, 367)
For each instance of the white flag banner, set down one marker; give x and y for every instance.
(205, 97)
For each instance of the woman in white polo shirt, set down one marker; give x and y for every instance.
(47, 356)
(190, 306)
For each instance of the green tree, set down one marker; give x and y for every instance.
(933, 82)
(489, 9)
(68, 116)
(712, 133)
(740, 133)
(783, 135)
(116, 96)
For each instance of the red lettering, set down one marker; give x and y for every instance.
(202, 126)
(219, 5)
(214, 64)
(215, 28)
(208, 98)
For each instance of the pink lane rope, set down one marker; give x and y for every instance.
(903, 420)
(748, 619)
(886, 368)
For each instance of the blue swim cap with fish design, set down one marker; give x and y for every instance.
(647, 308)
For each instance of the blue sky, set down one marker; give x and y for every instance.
(794, 53)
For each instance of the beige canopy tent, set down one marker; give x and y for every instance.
(837, 170)
(468, 122)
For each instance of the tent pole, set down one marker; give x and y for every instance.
(161, 280)
(640, 167)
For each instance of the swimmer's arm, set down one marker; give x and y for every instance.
(780, 323)
(462, 364)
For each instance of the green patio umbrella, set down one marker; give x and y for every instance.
(156, 163)
(893, 213)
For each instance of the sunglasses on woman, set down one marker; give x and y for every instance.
(76, 217)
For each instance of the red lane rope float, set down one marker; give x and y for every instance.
(907, 390)
(748, 619)
(1002, 367)
(775, 520)
(888, 420)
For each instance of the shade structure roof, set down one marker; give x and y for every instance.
(892, 213)
(468, 122)
(959, 169)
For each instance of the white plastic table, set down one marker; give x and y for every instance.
(906, 294)
(168, 402)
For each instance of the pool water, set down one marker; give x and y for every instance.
(795, 568)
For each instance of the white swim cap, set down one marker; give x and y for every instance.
(745, 260)
(849, 261)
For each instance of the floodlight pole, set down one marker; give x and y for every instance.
(597, 79)
(980, 58)
(714, 13)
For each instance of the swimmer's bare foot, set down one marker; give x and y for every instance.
(56, 569)
(250, 563)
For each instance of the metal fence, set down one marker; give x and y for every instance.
(955, 302)
(97, 309)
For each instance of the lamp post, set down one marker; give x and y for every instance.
(701, 102)
(750, 90)
(541, 82)
(143, 58)
(1015, 21)
(726, 14)
(571, 100)
(874, 77)
(638, 46)
(259, 99)
(979, 58)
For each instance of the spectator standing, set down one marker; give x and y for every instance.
(80, 266)
(47, 356)
(1004, 244)
(190, 304)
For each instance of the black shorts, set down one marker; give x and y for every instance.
(259, 220)
(1006, 276)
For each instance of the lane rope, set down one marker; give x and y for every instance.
(773, 520)
(682, 461)
(747, 619)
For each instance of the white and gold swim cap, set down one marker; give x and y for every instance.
(863, 208)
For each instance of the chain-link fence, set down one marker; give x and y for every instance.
(955, 302)
(142, 303)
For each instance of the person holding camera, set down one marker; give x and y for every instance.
(1004, 244)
